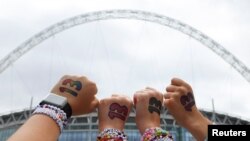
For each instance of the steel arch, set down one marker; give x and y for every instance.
(126, 14)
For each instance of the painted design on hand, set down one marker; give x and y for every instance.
(118, 111)
(154, 105)
(75, 85)
(188, 101)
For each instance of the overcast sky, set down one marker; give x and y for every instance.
(123, 56)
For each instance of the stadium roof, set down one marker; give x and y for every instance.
(90, 121)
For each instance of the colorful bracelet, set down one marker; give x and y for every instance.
(110, 134)
(156, 134)
(58, 115)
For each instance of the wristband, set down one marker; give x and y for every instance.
(110, 134)
(156, 134)
(58, 101)
(58, 115)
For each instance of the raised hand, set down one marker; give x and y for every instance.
(79, 91)
(148, 104)
(180, 102)
(113, 112)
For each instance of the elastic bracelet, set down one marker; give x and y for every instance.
(58, 115)
(110, 134)
(156, 134)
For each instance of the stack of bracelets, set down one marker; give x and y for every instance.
(58, 115)
(151, 134)
(111, 134)
(156, 134)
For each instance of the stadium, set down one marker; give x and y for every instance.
(86, 127)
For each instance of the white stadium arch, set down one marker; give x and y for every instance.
(126, 14)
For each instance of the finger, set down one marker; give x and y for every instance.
(153, 91)
(171, 88)
(166, 103)
(150, 88)
(172, 95)
(91, 87)
(179, 82)
(140, 92)
(102, 101)
(128, 99)
(167, 95)
(95, 103)
(84, 78)
(115, 95)
(140, 98)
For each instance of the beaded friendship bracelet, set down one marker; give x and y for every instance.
(156, 134)
(58, 115)
(110, 134)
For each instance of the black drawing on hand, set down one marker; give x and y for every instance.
(188, 101)
(154, 105)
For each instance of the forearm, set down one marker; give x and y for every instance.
(37, 128)
(68, 97)
(199, 128)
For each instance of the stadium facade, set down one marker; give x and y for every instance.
(85, 128)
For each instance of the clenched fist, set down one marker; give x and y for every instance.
(79, 91)
(113, 112)
(180, 102)
(148, 104)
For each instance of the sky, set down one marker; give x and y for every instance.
(122, 55)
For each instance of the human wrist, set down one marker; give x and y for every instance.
(58, 101)
(113, 125)
(199, 127)
(55, 113)
(146, 125)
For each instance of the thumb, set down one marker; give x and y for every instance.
(95, 103)
(167, 103)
